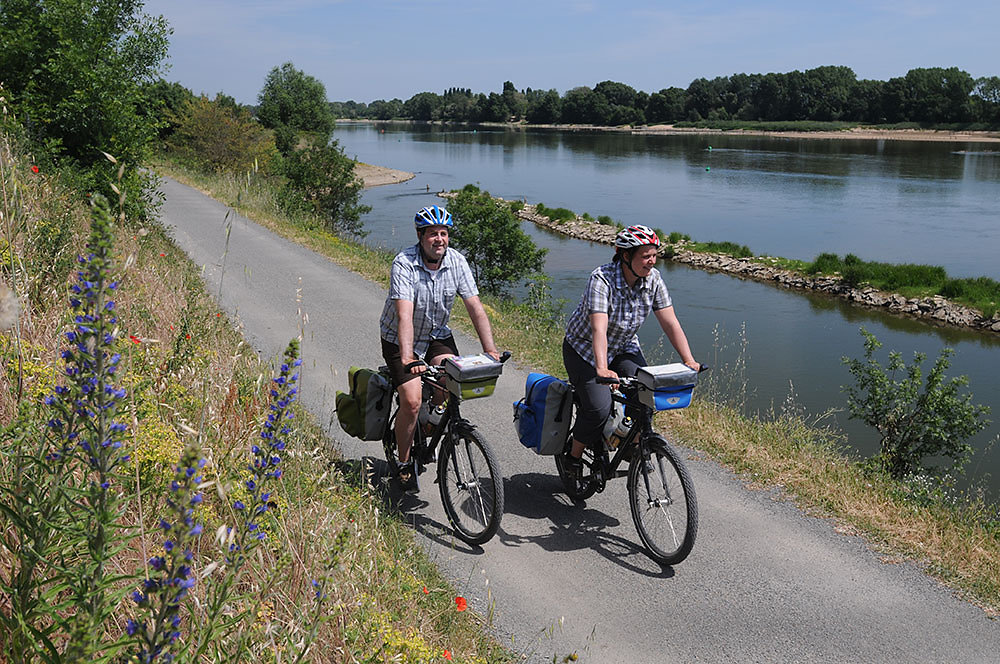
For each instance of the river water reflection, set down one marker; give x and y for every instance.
(896, 201)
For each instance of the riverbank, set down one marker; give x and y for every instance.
(933, 309)
(858, 133)
(376, 176)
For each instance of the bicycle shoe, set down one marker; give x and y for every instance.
(408, 477)
(574, 467)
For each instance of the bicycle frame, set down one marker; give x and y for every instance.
(607, 466)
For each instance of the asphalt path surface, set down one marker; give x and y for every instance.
(765, 583)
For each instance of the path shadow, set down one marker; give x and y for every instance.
(573, 526)
(372, 473)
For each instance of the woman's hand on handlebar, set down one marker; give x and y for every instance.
(607, 377)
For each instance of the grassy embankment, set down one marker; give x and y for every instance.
(908, 279)
(957, 540)
(190, 376)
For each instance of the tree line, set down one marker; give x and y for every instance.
(927, 96)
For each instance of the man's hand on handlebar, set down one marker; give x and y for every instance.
(415, 366)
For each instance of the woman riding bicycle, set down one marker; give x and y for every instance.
(424, 281)
(602, 333)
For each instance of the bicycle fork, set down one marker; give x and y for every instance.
(652, 502)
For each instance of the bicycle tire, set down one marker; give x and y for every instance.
(667, 521)
(471, 486)
(576, 489)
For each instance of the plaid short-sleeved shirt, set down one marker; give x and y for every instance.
(432, 293)
(627, 309)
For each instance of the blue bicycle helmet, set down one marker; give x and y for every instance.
(432, 215)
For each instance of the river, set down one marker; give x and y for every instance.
(771, 349)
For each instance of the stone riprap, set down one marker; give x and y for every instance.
(934, 308)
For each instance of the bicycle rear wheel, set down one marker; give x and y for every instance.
(664, 506)
(471, 486)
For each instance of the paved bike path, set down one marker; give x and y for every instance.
(764, 583)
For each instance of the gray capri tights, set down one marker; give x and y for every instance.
(595, 400)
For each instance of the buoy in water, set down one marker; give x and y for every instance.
(708, 168)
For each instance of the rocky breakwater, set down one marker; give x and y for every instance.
(934, 309)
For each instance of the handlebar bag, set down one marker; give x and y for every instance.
(472, 376)
(542, 417)
(363, 410)
(668, 386)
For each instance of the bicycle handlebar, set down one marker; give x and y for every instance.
(631, 381)
(435, 370)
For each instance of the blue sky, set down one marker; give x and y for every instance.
(380, 49)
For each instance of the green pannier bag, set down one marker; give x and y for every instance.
(362, 411)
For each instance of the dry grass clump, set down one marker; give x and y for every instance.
(959, 543)
(190, 378)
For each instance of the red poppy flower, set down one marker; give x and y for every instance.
(34, 169)
(426, 592)
(163, 254)
(461, 604)
(187, 336)
(135, 339)
(447, 655)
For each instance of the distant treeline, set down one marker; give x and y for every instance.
(932, 96)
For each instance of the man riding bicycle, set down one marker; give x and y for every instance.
(424, 281)
(602, 333)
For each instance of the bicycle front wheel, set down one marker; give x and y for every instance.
(664, 507)
(471, 486)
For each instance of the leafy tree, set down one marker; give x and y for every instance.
(491, 108)
(219, 136)
(381, 109)
(294, 99)
(703, 96)
(617, 94)
(74, 71)
(322, 182)
(458, 104)
(584, 106)
(487, 232)
(986, 100)
(918, 420)
(544, 108)
(515, 102)
(164, 105)
(423, 106)
(667, 105)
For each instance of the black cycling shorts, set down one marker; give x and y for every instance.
(394, 360)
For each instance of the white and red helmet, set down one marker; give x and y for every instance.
(636, 236)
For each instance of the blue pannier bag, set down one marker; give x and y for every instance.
(542, 417)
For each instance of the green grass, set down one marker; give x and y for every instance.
(728, 248)
(556, 215)
(911, 280)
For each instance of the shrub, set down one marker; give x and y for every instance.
(516, 206)
(605, 220)
(918, 420)
(321, 181)
(499, 252)
(215, 137)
